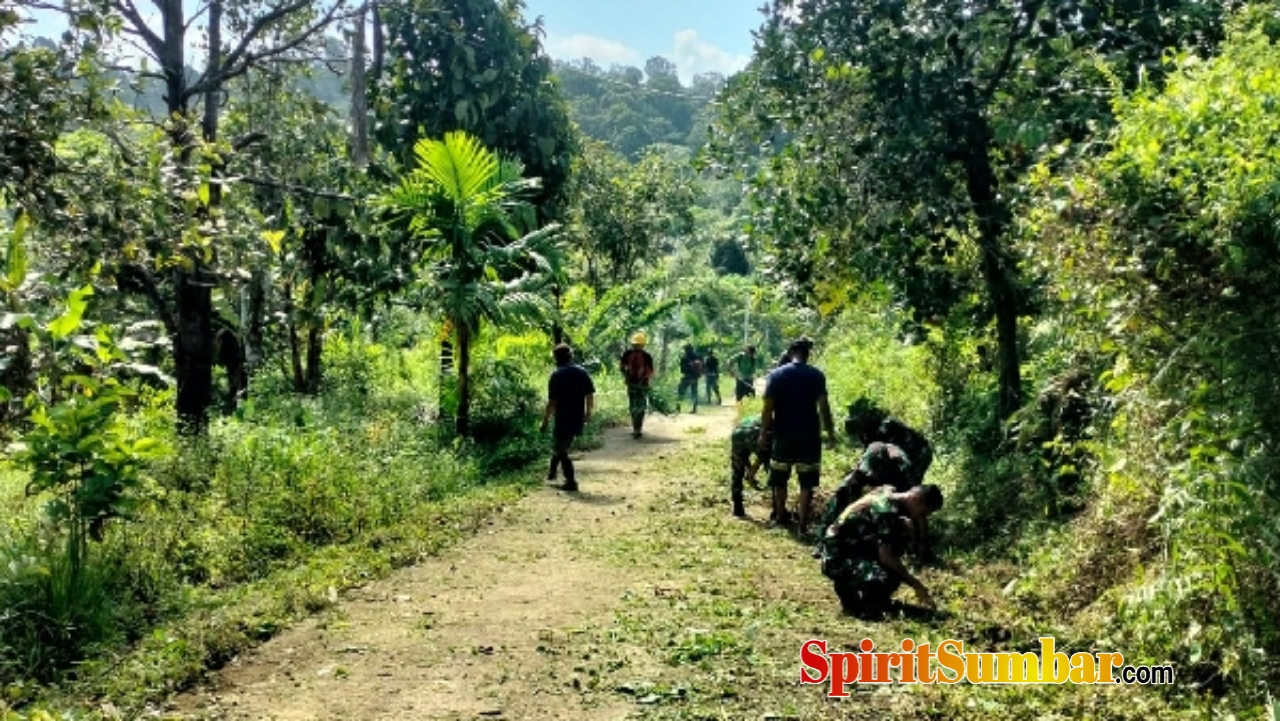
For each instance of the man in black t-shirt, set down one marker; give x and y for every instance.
(795, 410)
(571, 398)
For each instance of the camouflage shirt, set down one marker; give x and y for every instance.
(919, 452)
(745, 439)
(855, 551)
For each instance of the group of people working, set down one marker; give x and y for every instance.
(881, 508)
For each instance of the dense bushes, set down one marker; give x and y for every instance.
(360, 464)
(1163, 258)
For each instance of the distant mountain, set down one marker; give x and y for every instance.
(631, 109)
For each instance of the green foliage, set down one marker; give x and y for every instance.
(466, 210)
(624, 216)
(486, 76)
(631, 110)
(1161, 254)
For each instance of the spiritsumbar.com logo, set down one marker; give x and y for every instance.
(949, 663)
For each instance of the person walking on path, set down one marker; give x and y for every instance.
(795, 400)
(743, 366)
(690, 374)
(637, 370)
(711, 364)
(743, 443)
(571, 399)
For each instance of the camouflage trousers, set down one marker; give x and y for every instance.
(638, 401)
(862, 584)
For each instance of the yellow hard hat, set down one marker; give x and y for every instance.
(639, 338)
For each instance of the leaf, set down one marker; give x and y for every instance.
(67, 323)
(204, 193)
(16, 255)
(274, 239)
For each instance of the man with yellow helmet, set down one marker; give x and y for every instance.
(637, 368)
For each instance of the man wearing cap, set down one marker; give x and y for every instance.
(795, 400)
(637, 368)
(571, 398)
(743, 366)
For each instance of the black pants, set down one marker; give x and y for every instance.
(560, 446)
(742, 389)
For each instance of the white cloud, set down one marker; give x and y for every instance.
(603, 51)
(693, 55)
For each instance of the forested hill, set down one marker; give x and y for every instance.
(630, 108)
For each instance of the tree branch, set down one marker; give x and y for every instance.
(240, 60)
(131, 276)
(1016, 34)
(196, 15)
(247, 139)
(130, 11)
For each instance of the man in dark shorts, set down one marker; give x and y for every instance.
(794, 396)
(862, 550)
(571, 398)
(712, 366)
(637, 369)
(743, 443)
(870, 424)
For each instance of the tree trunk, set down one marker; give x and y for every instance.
(359, 96)
(464, 380)
(193, 351)
(251, 322)
(315, 351)
(997, 268)
(379, 39)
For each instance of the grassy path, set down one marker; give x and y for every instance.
(640, 597)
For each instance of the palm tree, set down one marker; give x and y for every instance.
(481, 259)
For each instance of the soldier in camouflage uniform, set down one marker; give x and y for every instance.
(861, 551)
(882, 464)
(745, 442)
(870, 424)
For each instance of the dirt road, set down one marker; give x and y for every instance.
(475, 632)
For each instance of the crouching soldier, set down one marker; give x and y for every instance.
(870, 424)
(862, 551)
(744, 445)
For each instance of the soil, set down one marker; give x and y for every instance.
(485, 629)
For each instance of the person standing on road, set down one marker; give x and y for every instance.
(711, 364)
(690, 373)
(795, 409)
(571, 399)
(637, 369)
(743, 366)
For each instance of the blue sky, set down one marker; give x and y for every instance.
(697, 35)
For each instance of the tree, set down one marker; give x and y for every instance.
(621, 213)
(467, 211)
(473, 66)
(178, 272)
(942, 105)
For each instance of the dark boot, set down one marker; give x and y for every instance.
(555, 464)
(570, 482)
(738, 509)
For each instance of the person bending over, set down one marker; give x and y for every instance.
(862, 551)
